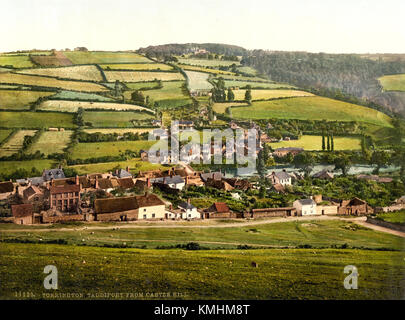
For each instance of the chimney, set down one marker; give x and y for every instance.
(188, 201)
(171, 173)
(52, 182)
(96, 186)
(77, 179)
(128, 169)
(186, 178)
(148, 184)
(116, 171)
(171, 207)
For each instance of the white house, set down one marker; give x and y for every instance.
(281, 177)
(305, 207)
(175, 182)
(188, 211)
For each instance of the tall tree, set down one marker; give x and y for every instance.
(248, 94)
(231, 95)
(328, 144)
(332, 143)
(323, 141)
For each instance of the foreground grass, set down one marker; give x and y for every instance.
(220, 274)
(393, 217)
(36, 120)
(316, 234)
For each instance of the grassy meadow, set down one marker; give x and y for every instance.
(198, 80)
(98, 57)
(16, 61)
(203, 69)
(51, 142)
(118, 130)
(136, 66)
(393, 217)
(220, 107)
(315, 143)
(394, 82)
(100, 149)
(73, 106)
(114, 119)
(20, 99)
(311, 108)
(7, 167)
(4, 133)
(207, 62)
(36, 120)
(256, 84)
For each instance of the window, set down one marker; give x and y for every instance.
(65, 202)
(144, 210)
(144, 216)
(153, 215)
(189, 215)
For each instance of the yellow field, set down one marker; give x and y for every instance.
(394, 82)
(12, 78)
(73, 106)
(133, 76)
(89, 73)
(315, 143)
(20, 99)
(136, 66)
(51, 142)
(117, 130)
(220, 107)
(15, 143)
(270, 94)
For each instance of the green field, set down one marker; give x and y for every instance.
(142, 76)
(20, 99)
(7, 167)
(204, 69)
(394, 217)
(79, 57)
(74, 106)
(51, 142)
(256, 84)
(100, 149)
(315, 143)
(85, 73)
(207, 62)
(141, 85)
(4, 134)
(311, 108)
(136, 66)
(248, 70)
(17, 61)
(118, 130)
(82, 96)
(111, 119)
(15, 143)
(394, 82)
(220, 107)
(35, 120)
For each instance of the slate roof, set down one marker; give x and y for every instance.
(30, 191)
(6, 187)
(36, 180)
(53, 174)
(169, 180)
(186, 206)
(122, 174)
(21, 210)
(211, 175)
(307, 202)
(282, 175)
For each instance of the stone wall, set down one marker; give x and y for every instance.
(64, 218)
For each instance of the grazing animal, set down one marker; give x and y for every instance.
(255, 265)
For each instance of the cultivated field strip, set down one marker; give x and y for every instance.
(134, 76)
(198, 81)
(86, 73)
(15, 143)
(51, 142)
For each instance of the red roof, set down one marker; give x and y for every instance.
(65, 188)
(21, 210)
(221, 207)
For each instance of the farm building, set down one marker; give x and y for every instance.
(188, 211)
(281, 177)
(305, 207)
(22, 213)
(271, 212)
(121, 173)
(64, 198)
(174, 182)
(354, 206)
(324, 174)
(218, 210)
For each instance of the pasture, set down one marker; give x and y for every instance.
(114, 119)
(206, 274)
(220, 107)
(30, 80)
(100, 57)
(73, 106)
(51, 142)
(136, 66)
(207, 62)
(9, 119)
(20, 99)
(139, 76)
(15, 143)
(8, 167)
(58, 59)
(315, 143)
(311, 108)
(202, 69)
(82, 96)
(270, 94)
(118, 130)
(247, 70)
(4, 134)
(394, 82)
(142, 85)
(86, 73)
(171, 90)
(256, 84)
(15, 61)
(101, 149)
(198, 80)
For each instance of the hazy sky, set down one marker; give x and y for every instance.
(306, 25)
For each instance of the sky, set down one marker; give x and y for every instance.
(344, 26)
